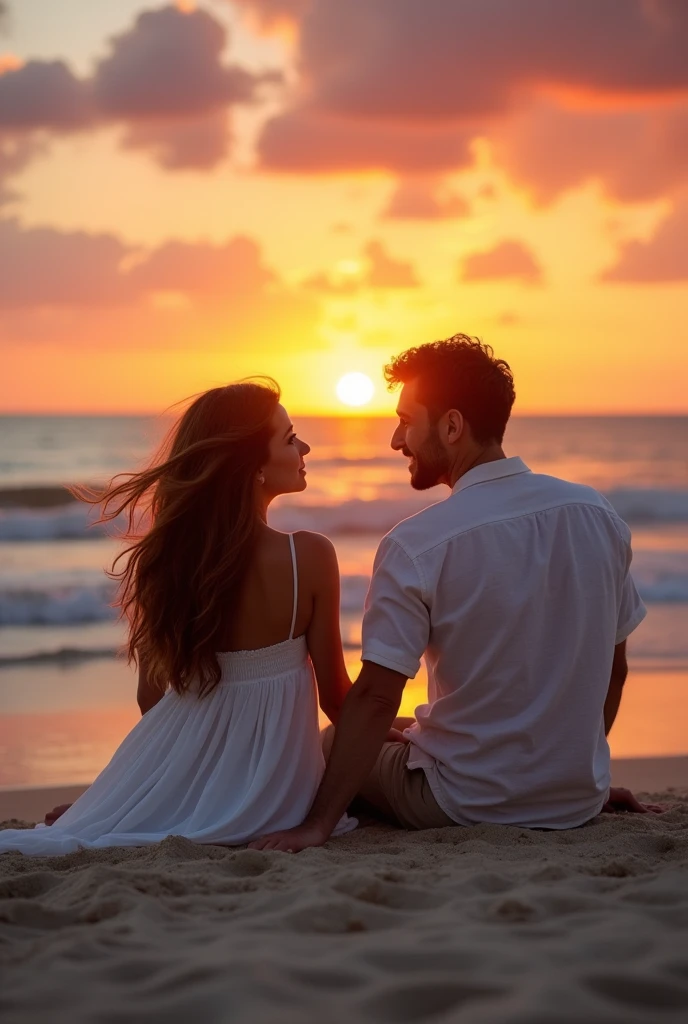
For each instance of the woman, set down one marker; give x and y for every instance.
(228, 747)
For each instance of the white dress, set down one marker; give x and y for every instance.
(226, 768)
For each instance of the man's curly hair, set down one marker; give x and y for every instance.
(459, 373)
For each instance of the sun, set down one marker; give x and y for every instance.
(355, 389)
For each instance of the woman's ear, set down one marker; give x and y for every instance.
(261, 477)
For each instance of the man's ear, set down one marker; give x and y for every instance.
(455, 426)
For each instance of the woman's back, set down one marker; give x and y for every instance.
(276, 597)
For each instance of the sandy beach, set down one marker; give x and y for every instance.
(488, 925)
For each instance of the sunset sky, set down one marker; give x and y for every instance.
(194, 192)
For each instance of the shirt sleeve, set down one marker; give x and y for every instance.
(396, 622)
(632, 611)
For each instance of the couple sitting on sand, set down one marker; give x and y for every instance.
(516, 589)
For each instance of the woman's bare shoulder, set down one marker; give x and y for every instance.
(317, 551)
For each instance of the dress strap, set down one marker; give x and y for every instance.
(296, 585)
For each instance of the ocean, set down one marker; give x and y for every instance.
(66, 698)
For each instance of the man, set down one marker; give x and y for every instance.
(516, 589)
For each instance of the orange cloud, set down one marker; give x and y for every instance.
(44, 267)
(422, 200)
(378, 270)
(507, 259)
(307, 140)
(662, 259)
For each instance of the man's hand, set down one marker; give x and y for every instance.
(293, 840)
(395, 736)
(57, 812)
(621, 800)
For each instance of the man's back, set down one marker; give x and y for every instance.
(517, 589)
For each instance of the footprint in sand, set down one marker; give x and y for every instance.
(388, 894)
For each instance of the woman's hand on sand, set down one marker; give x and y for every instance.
(293, 840)
(57, 812)
(621, 799)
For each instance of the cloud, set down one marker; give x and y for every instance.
(419, 200)
(408, 85)
(43, 94)
(199, 143)
(163, 79)
(662, 259)
(509, 258)
(429, 59)
(377, 269)
(310, 141)
(46, 267)
(199, 268)
(387, 272)
(635, 154)
(169, 65)
(15, 154)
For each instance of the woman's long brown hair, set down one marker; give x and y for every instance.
(183, 573)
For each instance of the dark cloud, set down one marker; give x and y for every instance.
(306, 140)
(199, 143)
(43, 94)
(510, 258)
(377, 74)
(163, 79)
(419, 200)
(169, 65)
(434, 60)
(662, 259)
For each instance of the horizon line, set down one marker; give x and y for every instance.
(530, 414)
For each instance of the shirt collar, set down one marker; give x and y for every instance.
(491, 471)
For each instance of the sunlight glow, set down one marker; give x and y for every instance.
(355, 389)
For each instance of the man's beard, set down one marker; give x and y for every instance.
(431, 461)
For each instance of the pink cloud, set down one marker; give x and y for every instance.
(44, 267)
(662, 259)
(379, 270)
(510, 258)
(420, 200)
(310, 141)
(235, 268)
(635, 154)
(47, 267)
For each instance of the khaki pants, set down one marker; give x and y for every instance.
(402, 794)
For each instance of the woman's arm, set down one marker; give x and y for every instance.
(147, 694)
(323, 633)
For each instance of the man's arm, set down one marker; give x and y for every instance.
(616, 684)
(367, 714)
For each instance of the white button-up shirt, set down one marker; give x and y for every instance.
(516, 589)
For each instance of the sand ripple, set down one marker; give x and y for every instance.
(483, 926)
